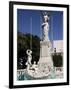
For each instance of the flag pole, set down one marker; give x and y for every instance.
(52, 31)
(31, 33)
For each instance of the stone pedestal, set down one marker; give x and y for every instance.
(45, 48)
(45, 62)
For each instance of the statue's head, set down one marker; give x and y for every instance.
(46, 17)
(29, 52)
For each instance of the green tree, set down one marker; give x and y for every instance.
(24, 42)
(58, 60)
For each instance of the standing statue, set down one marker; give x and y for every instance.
(45, 27)
(29, 52)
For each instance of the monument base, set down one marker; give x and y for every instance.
(45, 62)
(40, 73)
(45, 54)
(44, 68)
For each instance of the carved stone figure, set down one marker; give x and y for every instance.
(35, 67)
(29, 52)
(45, 26)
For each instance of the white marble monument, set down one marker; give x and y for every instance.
(44, 67)
(45, 61)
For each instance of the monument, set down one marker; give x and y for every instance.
(45, 61)
(44, 68)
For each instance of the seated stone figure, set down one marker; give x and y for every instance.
(34, 67)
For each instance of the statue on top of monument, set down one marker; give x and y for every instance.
(45, 27)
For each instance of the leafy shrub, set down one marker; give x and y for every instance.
(57, 60)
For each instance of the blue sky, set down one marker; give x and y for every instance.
(28, 20)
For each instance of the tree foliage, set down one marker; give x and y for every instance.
(58, 60)
(25, 42)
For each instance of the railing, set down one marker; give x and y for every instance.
(59, 72)
(20, 72)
